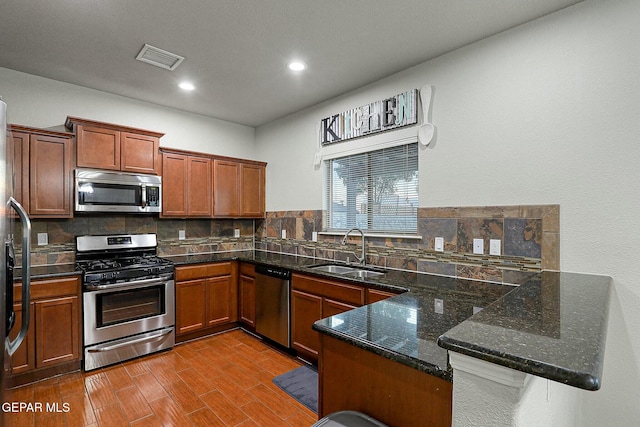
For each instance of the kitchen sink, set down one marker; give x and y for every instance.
(335, 269)
(347, 271)
(362, 274)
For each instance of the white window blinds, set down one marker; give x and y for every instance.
(375, 191)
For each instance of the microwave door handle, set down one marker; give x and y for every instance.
(12, 346)
(144, 196)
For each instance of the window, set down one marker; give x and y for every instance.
(375, 191)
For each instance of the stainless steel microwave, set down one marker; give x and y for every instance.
(106, 191)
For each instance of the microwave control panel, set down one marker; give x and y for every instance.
(153, 196)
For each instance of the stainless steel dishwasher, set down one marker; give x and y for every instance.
(273, 294)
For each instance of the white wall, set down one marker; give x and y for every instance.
(548, 112)
(39, 102)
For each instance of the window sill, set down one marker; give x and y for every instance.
(372, 234)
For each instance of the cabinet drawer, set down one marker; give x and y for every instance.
(247, 269)
(200, 271)
(49, 288)
(338, 291)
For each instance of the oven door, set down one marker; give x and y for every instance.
(121, 310)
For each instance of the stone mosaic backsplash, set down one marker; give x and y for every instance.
(202, 235)
(529, 237)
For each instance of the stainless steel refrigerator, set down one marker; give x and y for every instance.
(13, 218)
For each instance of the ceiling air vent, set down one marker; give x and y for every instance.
(159, 58)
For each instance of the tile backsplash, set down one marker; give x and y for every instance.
(201, 235)
(529, 240)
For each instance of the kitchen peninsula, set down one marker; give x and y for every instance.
(551, 326)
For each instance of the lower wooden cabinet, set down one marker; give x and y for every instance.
(206, 298)
(24, 359)
(247, 288)
(375, 295)
(54, 336)
(306, 308)
(312, 299)
(57, 323)
(393, 393)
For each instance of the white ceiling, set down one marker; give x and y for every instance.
(237, 50)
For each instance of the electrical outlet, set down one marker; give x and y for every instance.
(494, 247)
(43, 239)
(438, 306)
(284, 234)
(478, 246)
(314, 236)
(236, 233)
(439, 244)
(181, 235)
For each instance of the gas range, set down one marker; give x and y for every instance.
(107, 271)
(128, 298)
(107, 260)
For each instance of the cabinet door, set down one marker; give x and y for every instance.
(248, 300)
(50, 177)
(305, 310)
(98, 147)
(222, 303)
(332, 307)
(20, 147)
(190, 313)
(57, 324)
(24, 359)
(199, 186)
(375, 295)
(174, 185)
(139, 153)
(252, 201)
(226, 188)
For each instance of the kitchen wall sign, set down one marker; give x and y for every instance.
(379, 116)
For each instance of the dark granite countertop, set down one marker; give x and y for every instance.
(405, 328)
(46, 271)
(553, 325)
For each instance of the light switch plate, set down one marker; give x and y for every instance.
(43, 239)
(438, 306)
(284, 234)
(494, 247)
(478, 246)
(439, 244)
(181, 235)
(236, 233)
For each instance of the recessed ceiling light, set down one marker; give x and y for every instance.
(297, 66)
(186, 86)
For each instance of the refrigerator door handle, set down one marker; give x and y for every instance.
(12, 346)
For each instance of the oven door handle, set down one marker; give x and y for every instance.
(130, 285)
(155, 337)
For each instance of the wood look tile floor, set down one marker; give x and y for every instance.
(223, 380)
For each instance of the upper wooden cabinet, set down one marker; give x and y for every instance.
(202, 185)
(186, 188)
(114, 147)
(42, 171)
(238, 189)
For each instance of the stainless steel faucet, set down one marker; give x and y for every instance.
(362, 260)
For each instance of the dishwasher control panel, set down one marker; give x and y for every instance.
(274, 272)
